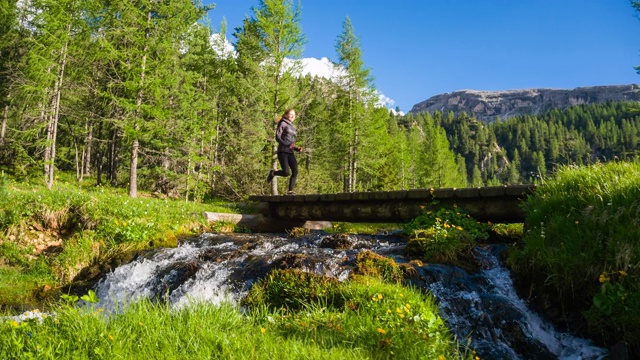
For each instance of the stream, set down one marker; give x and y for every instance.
(482, 307)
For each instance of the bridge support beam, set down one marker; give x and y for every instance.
(499, 204)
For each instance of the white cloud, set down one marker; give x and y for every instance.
(323, 67)
(222, 46)
(327, 69)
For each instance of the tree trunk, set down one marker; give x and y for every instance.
(354, 161)
(274, 144)
(133, 174)
(113, 161)
(78, 162)
(3, 127)
(86, 156)
(56, 109)
(100, 150)
(186, 197)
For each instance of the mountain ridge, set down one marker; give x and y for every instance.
(488, 105)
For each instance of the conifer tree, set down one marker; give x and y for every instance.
(277, 23)
(9, 45)
(355, 100)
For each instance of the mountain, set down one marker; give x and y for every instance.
(487, 105)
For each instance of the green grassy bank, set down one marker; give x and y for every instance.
(581, 249)
(48, 236)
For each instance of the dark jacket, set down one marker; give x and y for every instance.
(285, 136)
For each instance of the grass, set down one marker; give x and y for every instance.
(362, 228)
(380, 321)
(581, 246)
(48, 236)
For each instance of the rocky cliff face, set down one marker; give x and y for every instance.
(487, 105)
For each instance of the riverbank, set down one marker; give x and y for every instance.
(47, 237)
(579, 257)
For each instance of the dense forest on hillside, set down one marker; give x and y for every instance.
(143, 95)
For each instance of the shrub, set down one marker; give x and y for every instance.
(443, 236)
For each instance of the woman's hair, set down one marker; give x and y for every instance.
(286, 113)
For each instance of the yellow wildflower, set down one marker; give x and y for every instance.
(381, 331)
(14, 323)
(380, 296)
(623, 273)
(263, 330)
(604, 277)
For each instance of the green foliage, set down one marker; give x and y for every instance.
(377, 266)
(90, 297)
(446, 235)
(138, 80)
(507, 232)
(449, 220)
(293, 289)
(582, 226)
(378, 317)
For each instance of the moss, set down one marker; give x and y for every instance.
(377, 266)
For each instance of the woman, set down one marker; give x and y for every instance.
(286, 138)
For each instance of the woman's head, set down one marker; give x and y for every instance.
(289, 114)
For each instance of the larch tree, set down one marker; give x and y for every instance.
(142, 39)
(9, 55)
(278, 24)
(356, 94)
(52, 26)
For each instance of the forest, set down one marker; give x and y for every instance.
(144, 95)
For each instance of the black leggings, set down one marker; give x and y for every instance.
(288, 161)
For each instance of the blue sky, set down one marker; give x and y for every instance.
(416, 49)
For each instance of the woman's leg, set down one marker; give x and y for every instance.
(283, 159)
(293, 164)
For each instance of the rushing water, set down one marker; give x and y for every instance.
(482, 307)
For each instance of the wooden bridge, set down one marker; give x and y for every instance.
(498, 204)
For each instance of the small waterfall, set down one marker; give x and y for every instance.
(486, 309)
(482, 308)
